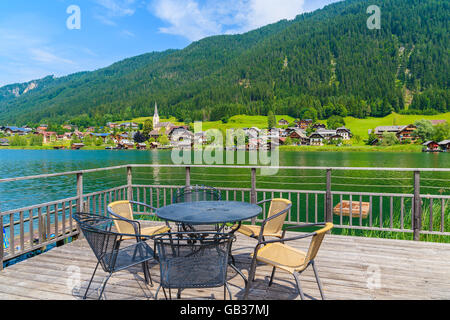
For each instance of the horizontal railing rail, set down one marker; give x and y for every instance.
(37, 226)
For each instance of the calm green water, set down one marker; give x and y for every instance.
(16, 163)
(305, 208)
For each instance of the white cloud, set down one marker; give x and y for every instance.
(46, 56)
(111, 9)
(194, 19)
(118, 8)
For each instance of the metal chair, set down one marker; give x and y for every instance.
(279, 255)
(193, 260)
(197, 193)
(273, 224)
(106, 246)
(123, 210)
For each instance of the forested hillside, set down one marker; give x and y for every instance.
(320, 64)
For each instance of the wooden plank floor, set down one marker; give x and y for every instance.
(350, 268)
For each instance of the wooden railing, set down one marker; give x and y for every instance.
(36, 227)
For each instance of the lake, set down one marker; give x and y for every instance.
(15, 163)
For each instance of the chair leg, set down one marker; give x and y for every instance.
(271, 277)
(239, 273)
(227, 287)
(92, 278)
(179, 294)
(157, 291)
(251, 278)
(104, 285)
(297, 280)
(319, 283)
(147, 275)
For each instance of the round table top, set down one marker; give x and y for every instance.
(208, 212)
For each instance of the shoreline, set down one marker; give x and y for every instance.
(389, 149)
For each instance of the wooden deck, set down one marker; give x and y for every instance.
(350, 268)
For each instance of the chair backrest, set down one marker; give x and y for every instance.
(125, 210)
(197, 193)
(277, 205)
(97, 231)
(193, 260)
(316, 241)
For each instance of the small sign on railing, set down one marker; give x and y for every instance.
(5, 240)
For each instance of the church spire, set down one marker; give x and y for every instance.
(155, 116)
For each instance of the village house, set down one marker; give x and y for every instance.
(283, 122)
(304, 123)
(326, 133)
(103, 136)
(67, 127)
(301, 136)
(316, 139)
(141, 146)
(42, 128)
(12, 130)
(129, 125)
(253, 143)
(200, 138)
(49, 136)
(436, 122)
(112, 125)
(336, 138)
(252, 132)
(344, 133)
(402, 132)
(431, 146)
(317, 126)
(4, 142)
(77, 146)
(90, 129)
(180, 135)
(126, 144)
(445, 145)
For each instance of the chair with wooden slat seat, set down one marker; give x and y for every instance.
(274, 222)
(282, 256)
(124, 211)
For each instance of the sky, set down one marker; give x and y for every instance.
(60, 37)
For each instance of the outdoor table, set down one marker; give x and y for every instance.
(210, 212)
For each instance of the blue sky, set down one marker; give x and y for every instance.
(35, 41)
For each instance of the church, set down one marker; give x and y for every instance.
(157, 126)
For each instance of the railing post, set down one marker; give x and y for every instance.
(188, 176)
(2, 251)
(329, 201)
(253, 195)
(417, 210)
(130, 183)
(80, 206)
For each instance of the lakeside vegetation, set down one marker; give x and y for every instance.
(358, 142)
(357, 148)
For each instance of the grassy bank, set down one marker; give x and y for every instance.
(357, 126)
(360, 127)
(395, 148)
(48, 148)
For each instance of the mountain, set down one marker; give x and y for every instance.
(319, 64)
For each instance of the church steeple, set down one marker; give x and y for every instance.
(155, 117)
